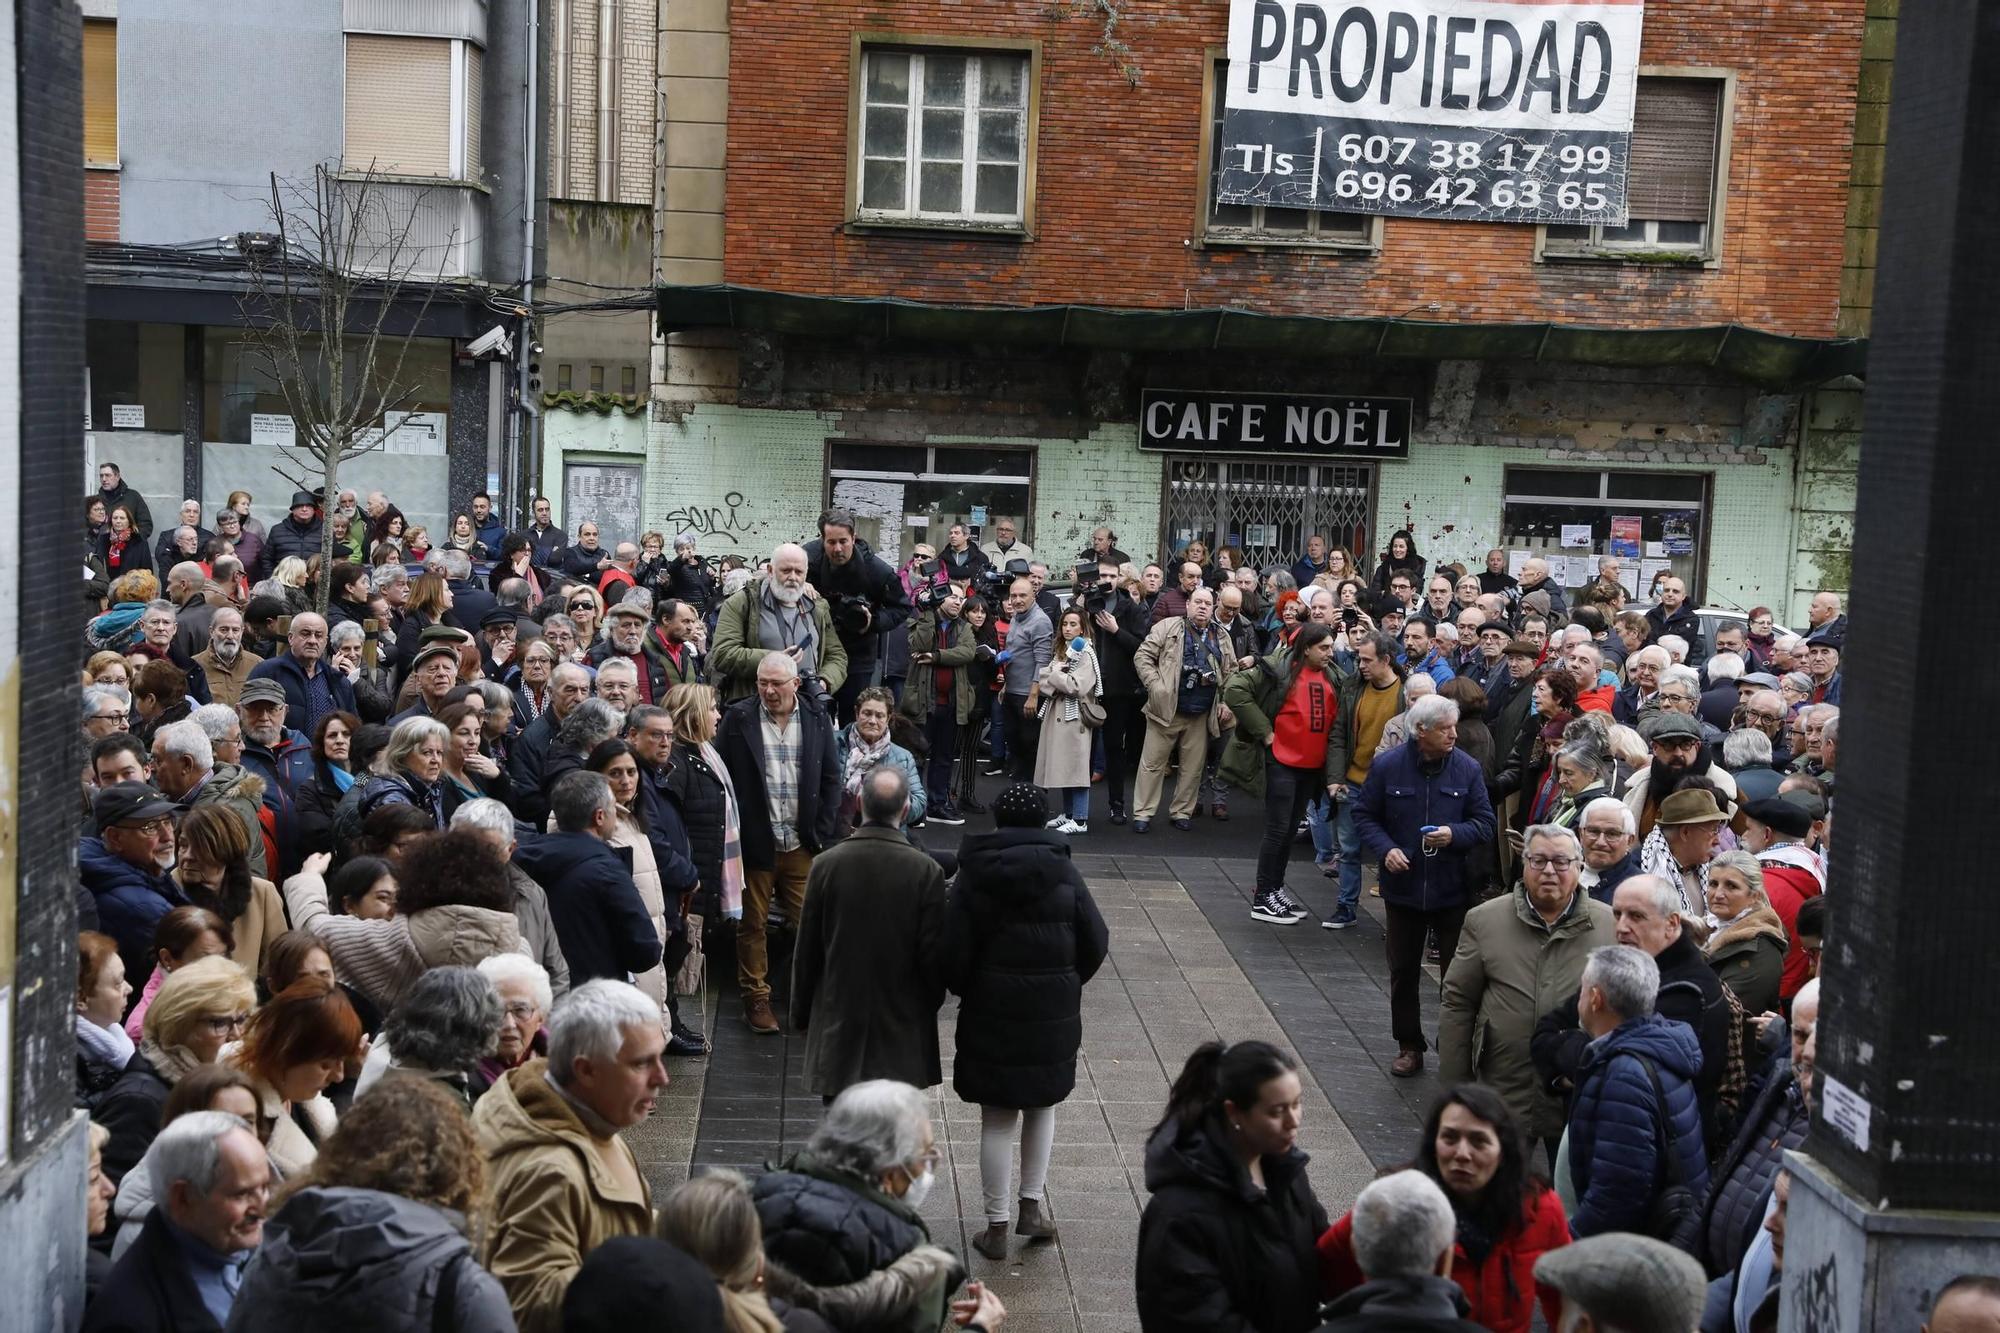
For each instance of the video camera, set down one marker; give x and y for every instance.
(992, 584)
(852, 613)
(1096, 592)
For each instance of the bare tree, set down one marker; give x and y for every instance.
(326, 295)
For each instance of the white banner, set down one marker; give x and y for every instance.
(1487, 110)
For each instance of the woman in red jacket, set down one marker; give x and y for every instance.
(1507, 1216)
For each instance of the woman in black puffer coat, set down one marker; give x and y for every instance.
(1022, 936)
(701, 784)
(1228, 1240)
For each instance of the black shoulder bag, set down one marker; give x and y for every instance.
(1676, 1203)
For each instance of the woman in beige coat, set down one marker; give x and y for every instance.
(214, 870)
(620, 767)
(1062, 764)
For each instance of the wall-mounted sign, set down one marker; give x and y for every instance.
(1321, 426)
(1477, 110)
(272, 429)
(128, 416)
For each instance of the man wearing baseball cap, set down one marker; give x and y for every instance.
(127, 865)
(278, 754)
(1678, 750)
(1633, 1284)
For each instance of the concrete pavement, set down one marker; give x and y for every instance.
(1187, 965)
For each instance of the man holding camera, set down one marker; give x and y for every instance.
(777, 613)
(938, 692)
(864, 596)
(1183, 664)
(1120, 624)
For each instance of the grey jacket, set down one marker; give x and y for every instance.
(1031, 642)
(352, 1258)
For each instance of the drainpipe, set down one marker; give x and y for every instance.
(607, 99)
(525, 447)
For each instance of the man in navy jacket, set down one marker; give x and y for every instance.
(1421, 812)
(599, 917)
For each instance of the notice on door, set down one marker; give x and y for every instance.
(1320, 426)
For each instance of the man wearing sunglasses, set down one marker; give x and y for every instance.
(126, 868)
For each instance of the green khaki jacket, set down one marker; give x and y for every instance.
(734, 654)
(1255, 695)
(918, 689)
(1510, 969)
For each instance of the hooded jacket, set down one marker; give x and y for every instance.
(1510, 969)
(1748, 954)
(599, 917)
(130, 901)
(1217, 1254)
(1616, 1154)
(1022, 937)
(1393, 1304)
(242, 792)
(1256, 695)
(338, 1257)
(551, 1195)
(830, 1227)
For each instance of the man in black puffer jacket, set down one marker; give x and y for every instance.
(1119, 625)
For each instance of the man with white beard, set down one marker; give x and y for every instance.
(226, 661)
(778, 613)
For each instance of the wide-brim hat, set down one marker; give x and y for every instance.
(1696, 805)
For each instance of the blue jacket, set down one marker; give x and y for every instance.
(130, 902)
(1435, 667)
(1305, 571)
(291, 677)
(600, 920)
(1399, 799)
(897, 758)
(1616, 1157)
(1609, 878)
(492, 532)
(286, 768)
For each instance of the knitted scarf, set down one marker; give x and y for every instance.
(731, 890)
(861, 757)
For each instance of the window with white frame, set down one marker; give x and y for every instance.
(1670, 184)
(944, 136)
(1257, 223)
(413, 106)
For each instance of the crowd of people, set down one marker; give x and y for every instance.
(388, 904)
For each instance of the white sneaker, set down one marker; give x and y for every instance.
(1077, 826)
(1057, 823)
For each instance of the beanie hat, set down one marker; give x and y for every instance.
(1021, 806)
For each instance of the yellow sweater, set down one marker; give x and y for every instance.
(1372, 712)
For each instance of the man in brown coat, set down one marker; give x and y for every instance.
(560, 1182)
(226, 660)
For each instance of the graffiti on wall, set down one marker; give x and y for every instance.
(723, 528)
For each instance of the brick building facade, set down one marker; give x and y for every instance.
(868, 346)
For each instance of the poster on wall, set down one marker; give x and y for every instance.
(609, 494)
(878, 507)
(1677, 531)
(1473, 110)
(414, 433)
(1626, 530)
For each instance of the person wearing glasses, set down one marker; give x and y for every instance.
(1518, 958)
(199, 1008)
(126, 868)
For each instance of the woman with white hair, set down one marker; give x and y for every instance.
(846, 1207)
(526, 999)
(1748, 942)
(411, 770)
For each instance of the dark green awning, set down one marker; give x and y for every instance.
(1769, 359)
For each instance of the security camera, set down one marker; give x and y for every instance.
(493, 342)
